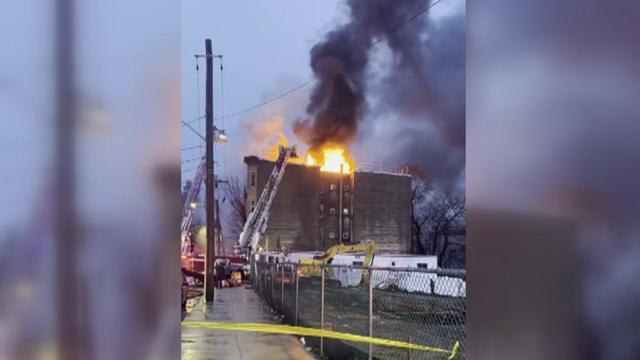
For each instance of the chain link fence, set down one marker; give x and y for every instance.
(425, 307)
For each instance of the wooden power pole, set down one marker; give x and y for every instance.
(66, 279)
(209, 281)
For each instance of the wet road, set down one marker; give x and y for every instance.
(236, 305)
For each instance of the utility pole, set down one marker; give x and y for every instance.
(66, 280)
(209, 281)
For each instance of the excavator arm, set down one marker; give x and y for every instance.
(313, 267)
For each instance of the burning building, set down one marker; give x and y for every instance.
(318, 206)
(325, 200)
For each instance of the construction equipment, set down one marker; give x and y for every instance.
(256, 223)
(313, 267)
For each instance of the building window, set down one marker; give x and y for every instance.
(345, 187)
(358, 263)
(423, 266)
(332, 235)
(332, 187)
(252, 205)
(345, 211)
(253, 180)
(345, 236)
(321, 211)
(332, 211)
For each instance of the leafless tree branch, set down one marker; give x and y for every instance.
(236, 194)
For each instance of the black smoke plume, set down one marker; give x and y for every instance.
(424, 83)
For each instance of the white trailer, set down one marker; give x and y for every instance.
(404, 280)
(295, 257)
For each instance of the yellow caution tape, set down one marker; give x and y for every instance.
(305, 331)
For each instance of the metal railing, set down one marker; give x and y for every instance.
(425, 307)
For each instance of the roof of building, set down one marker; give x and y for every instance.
(253, 159)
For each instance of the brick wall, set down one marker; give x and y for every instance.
(380, 209)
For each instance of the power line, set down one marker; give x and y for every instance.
(190, 169)
(191, 148)
(198, 92)
(418, 14)
(224, 148)
(192, 129)
(192, 159)
(192, 120)
(300, 86)
(268, 101)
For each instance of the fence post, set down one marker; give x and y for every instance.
(370, 276)
(322, 309)
(282, 290)
(273, 284)
(264, 288)
(297, 287)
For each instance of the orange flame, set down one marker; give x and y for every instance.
(331, 158)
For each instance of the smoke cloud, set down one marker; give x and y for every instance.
(422, 87)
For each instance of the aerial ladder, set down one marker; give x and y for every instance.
(256, 223)
(188, 209)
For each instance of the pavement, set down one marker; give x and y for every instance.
(238, 304)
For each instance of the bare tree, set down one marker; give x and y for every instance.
(235, 194)
(419, 215)
(446, 214)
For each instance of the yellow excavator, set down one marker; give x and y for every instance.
(312, 267)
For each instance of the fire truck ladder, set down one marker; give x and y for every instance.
(188, 210)
(256, 223)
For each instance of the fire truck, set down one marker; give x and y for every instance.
(192, 257)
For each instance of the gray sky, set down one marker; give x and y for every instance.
(265, 46)
(266, 52)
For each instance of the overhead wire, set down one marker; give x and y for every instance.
(198, 95)
(284, 94)
(224, 147)
(415, 16)
(192, 159)
(304, 84)
(193, 120)
(191, 148)
(189, 169)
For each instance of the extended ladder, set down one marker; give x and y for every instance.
(187, 209)
(256, 223)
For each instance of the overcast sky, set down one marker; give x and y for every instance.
(265, 45)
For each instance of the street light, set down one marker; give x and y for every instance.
(220, 136)
(193, 205)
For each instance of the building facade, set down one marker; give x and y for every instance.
(315, 210)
